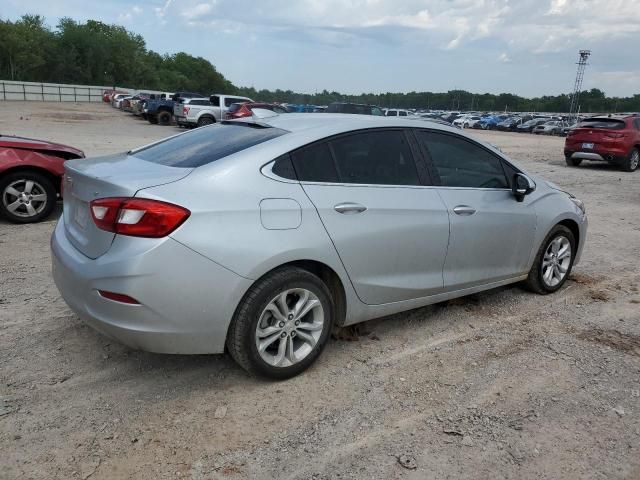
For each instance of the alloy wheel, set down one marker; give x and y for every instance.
(24, 198)
(556, 261)
(635, 159)
(289, 327)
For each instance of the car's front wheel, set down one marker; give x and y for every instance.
(282, 324)
(26, 197)
(553, 263)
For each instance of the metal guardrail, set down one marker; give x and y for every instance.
(49, 92)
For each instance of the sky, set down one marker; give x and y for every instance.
(526, 47)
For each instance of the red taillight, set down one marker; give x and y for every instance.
(185, 110)
(118, 297)
(137, 217)
(614, 135)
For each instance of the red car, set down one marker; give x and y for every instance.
(241, 110)
(613, 139)
(30, 177)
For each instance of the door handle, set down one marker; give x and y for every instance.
(349, 208)
(464, 210)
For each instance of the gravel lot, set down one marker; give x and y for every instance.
(503, 384)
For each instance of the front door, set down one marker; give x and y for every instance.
(491, 233)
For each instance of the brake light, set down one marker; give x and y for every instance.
(185, 110)
(137, 217)
(614, 135)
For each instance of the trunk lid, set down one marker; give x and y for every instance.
(120, 175)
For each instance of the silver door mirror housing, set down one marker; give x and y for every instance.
(522, 186)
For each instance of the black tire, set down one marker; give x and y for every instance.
(42, 185)
(164, 118)
(241, 337)
(206, 120)
(632, 161)
(535, 280)
(573, 162)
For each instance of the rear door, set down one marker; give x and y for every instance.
(491, 233)
(390, 229)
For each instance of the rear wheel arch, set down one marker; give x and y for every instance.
(328, 276)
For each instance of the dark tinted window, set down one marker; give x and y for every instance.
(609, 123)
(199, 102)
(461, 163)
(206, 145)
(392, 113)
(403, 114)
(315, 164)
(382, 157)
(215, 100)
(229, 100)
(283, 167)
(637, 124)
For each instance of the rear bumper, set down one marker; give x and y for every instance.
(611, 157)
(186, 300)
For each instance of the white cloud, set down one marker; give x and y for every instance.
(504, 58)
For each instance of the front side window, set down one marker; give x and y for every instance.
(461, 163)
(378, 158)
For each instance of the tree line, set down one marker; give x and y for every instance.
(95, 53)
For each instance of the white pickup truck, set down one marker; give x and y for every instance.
(200, 111)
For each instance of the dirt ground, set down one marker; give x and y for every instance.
(503, 384)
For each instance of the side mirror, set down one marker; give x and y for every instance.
(522, 186)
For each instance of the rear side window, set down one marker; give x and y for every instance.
(461, 163)
(315, 164)
(283, 167)
(215, 100)
(608, 123)
(378, 158)
(636, 123)
(403, 114)
(392, 113)
(206, 145)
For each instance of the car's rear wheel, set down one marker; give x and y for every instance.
(202, 121)
(573, 162)
(26, 197)
(631, 162)
(164, 118)
(553, 263)
(282, 324)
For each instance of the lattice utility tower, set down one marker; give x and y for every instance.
(583, 56)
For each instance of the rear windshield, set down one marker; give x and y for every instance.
(207, 144)
(610, 123)
(234, 107)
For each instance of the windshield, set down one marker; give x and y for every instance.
(206, 144)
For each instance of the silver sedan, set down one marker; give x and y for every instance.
(261, 235)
